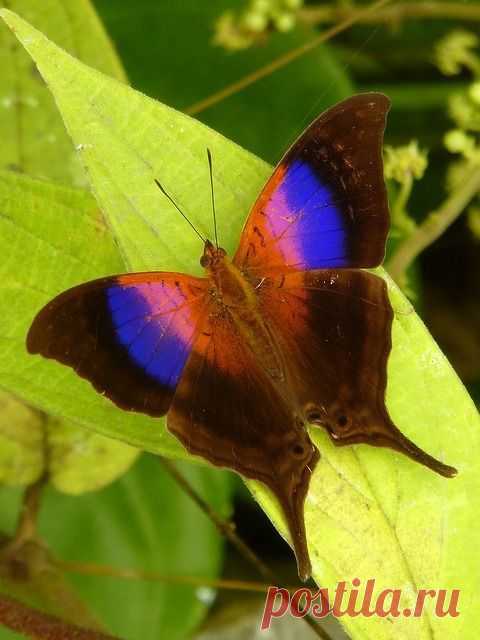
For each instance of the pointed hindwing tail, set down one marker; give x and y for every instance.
(228, 410)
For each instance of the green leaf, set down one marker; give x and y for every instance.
(370, 513)
(47, 233)
(282, 104)
(33, 136)
(21, 442)
(35, 141)
(80, 460)
(144, 521)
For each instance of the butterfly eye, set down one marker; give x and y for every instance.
(205, 261)
(342, 421)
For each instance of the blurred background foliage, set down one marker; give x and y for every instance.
(426, 58)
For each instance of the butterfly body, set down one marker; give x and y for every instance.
(292, 330)
(235, 295)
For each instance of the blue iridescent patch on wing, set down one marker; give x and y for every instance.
(306, 218)
(154, 327)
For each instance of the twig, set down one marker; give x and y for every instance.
(394, 14)
(42, 626)
(27, 520)
(93, 569)
(433, 226)
(227, 529)
(399, 215)
(282, 61)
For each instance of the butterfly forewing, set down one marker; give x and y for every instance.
(325, 205)
(129, 335)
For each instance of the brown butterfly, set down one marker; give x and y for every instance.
(290, 331)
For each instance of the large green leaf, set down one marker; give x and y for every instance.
(143, 521)
(55, 237)
(34, 140)
(370, 513)
(21, 442)
(47, 233)
(33, 136)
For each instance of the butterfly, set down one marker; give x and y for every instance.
(291, 331)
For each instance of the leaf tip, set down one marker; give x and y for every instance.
(8, 16)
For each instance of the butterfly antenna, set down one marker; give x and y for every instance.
(213, 196)
(179, 210)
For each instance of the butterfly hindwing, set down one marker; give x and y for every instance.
(129, 335)
(227, 410)
(336, 328)
(325, 205)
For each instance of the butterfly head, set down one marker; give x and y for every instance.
(212, 256)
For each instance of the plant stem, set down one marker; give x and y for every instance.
(400, 218)
(27, 520)
(354, 16)
(227, 529)
(394, 14)
(93, 569)
(434, 225)
(42, 626)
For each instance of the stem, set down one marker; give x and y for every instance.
(92, 569)
(42, 626)
(227, 529)
(354, 16)
(434, 225)
(394, 14)
(400, 217)
(27, 520)
(100, 570)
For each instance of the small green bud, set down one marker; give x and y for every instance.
(253, 21)
(455, 51)
(228, 34)
(457, 141)
(464, 111)
(474, 93)
(403, 163)
(284, 22)
(260, 6)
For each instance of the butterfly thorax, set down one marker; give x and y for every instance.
(234, 299)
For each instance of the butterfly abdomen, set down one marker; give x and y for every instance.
(236, 296)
